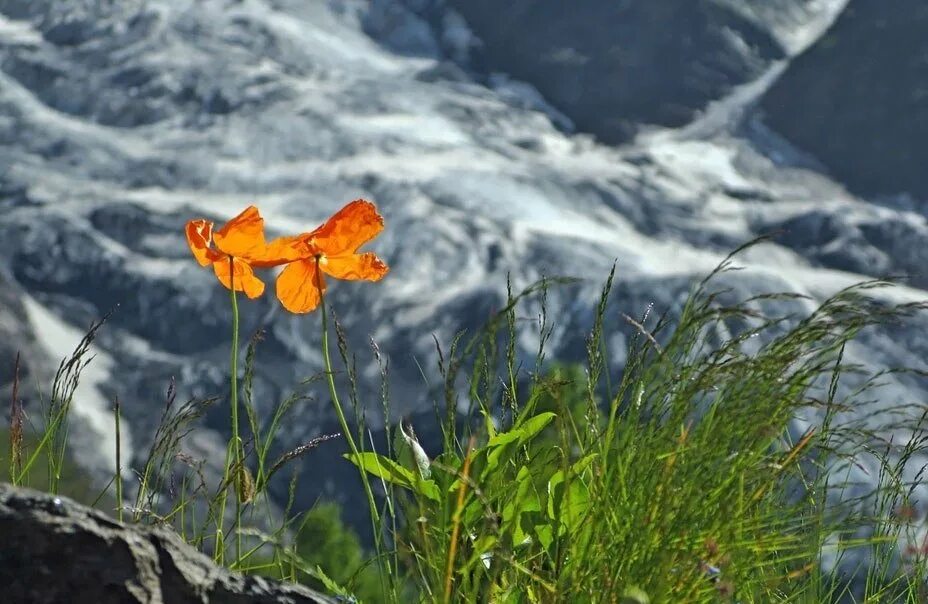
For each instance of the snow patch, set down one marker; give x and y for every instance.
(89, 406)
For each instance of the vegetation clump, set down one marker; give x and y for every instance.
(682, 479)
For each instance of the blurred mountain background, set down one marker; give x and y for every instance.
(522, 139)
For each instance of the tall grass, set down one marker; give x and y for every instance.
(683, 478)
(680, 482)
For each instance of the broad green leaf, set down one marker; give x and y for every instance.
(524, 502)
(527, 430)
(502, 446)
(545, 535)
(382, 467)
(567, 500)
(394, 473)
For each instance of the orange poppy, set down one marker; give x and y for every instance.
(235, 249)
(331, 249)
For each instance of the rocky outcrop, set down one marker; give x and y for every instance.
(606, 67)
(611, 66)
(857, 99)
(55, 550)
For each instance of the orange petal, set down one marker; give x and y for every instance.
(365, 266)
(298, 286)
(199, 237)
(281, 251)
(241, 273)
(348, 229)
(243, 236)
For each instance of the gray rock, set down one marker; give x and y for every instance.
(611, 66)
(56, 550)
(400, 29)
(857, 101)
(878, 244)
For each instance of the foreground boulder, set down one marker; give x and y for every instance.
(55, 550)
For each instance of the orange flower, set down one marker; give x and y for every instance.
(235, 249)
(331, 249)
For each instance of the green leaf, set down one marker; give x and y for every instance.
(394, 473)
(483, 551)
(529, 429)
(502, 446)
(568, 501)
(582, 464)
(382, 467)
(545, 535)
(327, 582)
(428, 489)
(524, 502)
(488, 423)
(634, 595)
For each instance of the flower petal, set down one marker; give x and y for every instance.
(199, 237)
(281, 251)
(348, 229)
(243, 236)
(298, 286)
(365, 266)
(242, 274)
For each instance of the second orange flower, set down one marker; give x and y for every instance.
(331, 249)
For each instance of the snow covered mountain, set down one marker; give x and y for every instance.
(121, 120)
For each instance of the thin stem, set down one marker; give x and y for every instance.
(339, 412)
(456, 522)
(237, 443)
(118, 463)
(233, 456)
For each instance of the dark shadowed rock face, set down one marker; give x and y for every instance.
(858, 99)
(55, 550)
(611, 65)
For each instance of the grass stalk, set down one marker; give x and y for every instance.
(16, 428)
(117, 412)
(456, 523)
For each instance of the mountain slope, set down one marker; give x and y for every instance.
(615, 66)
(119, 121)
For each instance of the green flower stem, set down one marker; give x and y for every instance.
(352, 446)
(237, 457)
(233, 452)
(118, 463)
